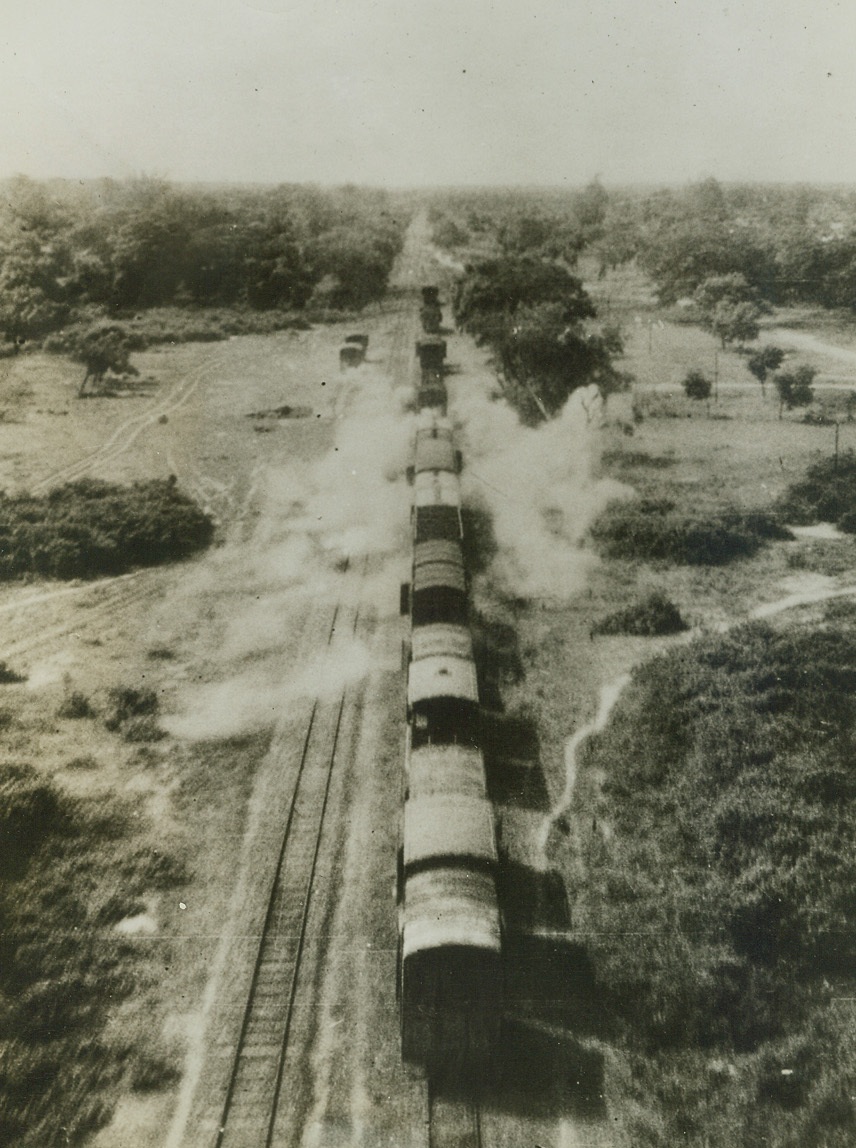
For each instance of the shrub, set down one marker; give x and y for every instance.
(826, 494)
(89, 527)
(63, 970)
(654, 531)
(8, 676)
(127, 703)
(75, 706)
(654, 615)
(719, 909)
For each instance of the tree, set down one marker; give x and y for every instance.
(735, 323)
(495, 288)
(532, 313)
(698, 386)
(544, 355)
(794, 387)
(102, 349)
(729, 307)
(764, 362)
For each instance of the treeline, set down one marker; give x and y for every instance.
(791, 244)
(543, 222)
(111, 248)
(717, 898)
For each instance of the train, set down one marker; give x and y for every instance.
(450, 931)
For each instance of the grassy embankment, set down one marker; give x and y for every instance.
(725, 783)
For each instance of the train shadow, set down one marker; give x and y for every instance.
(539, 1072)
(511, 749)
(534, 901)
(479, 545)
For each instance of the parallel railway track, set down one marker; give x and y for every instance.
(250, 1115)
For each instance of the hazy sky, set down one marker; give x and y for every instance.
(410, 92)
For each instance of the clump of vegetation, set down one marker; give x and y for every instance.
(76, 706)
(652, 530)
(533, 314)
(719, 908)
(653, 615)
(62, 973)
(10, 677)
(627, 459)
(795, 387)
(129, 703)
(88, 528)
(826, 494)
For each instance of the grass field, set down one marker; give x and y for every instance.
(740, 455)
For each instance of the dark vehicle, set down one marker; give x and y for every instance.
(431, 393)
(431, 318)
(438, 593)
(430, 295)
(431, 352)
(351, 355)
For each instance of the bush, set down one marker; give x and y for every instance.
(654, 531)
(826, 494)
(653, 615)
(76, 706)
(89, 528)
(64, 972)
(128, 703)
(719, 908)
(9, 677)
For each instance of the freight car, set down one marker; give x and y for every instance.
(431, 352)
(351, 355)
(437, 507)
(438, 591)
(450, 940)
(431, 317)
(431, 394)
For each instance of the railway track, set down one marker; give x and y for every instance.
(454, 1121)
(250, 1115)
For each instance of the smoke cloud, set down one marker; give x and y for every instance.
(318, 523)
(538, 485)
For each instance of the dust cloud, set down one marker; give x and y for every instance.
(539, 488)
(329, 533)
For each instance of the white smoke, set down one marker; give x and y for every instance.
(539, 487)
(320, 524)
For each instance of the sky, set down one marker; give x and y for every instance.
(407, 93)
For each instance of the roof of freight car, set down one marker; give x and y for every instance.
(445, 907)
(442, 677)
(430, 575)
(425, 553)
(441, 639)
(446, 769)
(435, 454)
(448, 826)
(435, 523)
(436, 487)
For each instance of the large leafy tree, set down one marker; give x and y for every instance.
(533, 314)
